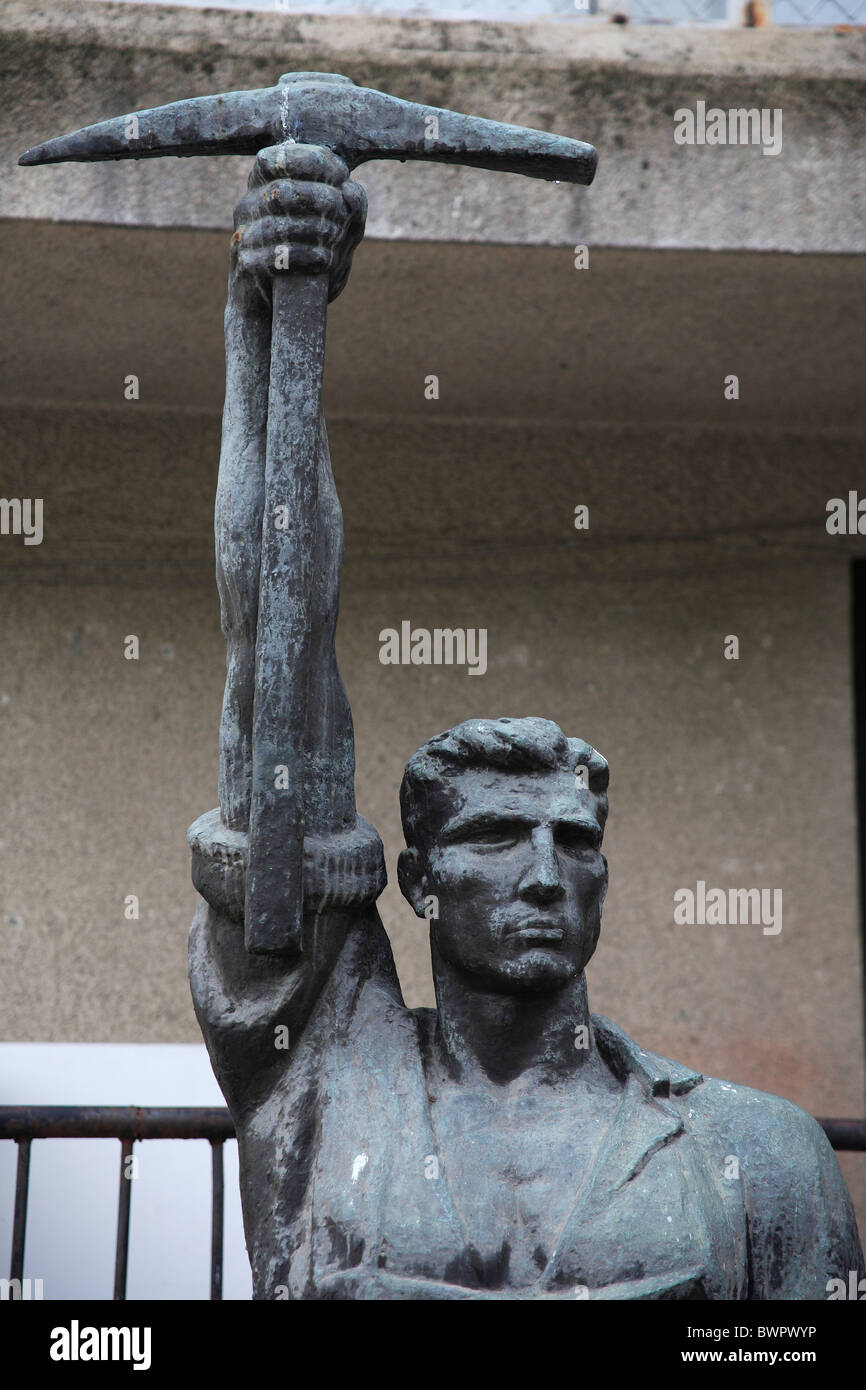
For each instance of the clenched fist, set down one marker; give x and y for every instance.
(302, 213)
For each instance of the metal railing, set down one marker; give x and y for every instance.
(128, 1124)
(132, 1123)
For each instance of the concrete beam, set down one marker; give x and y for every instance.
(71, 63)
(512, 332)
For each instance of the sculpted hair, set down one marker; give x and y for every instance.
(509, 745)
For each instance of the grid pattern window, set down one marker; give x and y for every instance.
(729, 13)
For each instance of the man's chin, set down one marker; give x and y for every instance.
(536, 971)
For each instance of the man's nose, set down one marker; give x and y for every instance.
(542, 882)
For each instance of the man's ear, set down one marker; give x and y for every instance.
(412, 879)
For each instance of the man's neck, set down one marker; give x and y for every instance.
(499, 1037)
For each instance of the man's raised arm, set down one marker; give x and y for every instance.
(300, 214)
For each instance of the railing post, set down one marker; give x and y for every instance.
(121, 1253)
(19, 1225)
(216, 1236)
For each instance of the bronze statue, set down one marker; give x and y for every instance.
(508, 1144)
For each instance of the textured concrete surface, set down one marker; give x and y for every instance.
(72, 63)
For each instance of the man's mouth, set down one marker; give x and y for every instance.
(536, 930)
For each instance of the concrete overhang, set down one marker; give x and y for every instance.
(75, 62)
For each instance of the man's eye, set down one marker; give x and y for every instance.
(494, 835)
(576, 841)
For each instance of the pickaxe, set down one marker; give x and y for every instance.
(358, 124)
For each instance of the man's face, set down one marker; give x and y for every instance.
(519, 877)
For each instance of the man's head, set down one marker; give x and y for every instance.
(503, 820)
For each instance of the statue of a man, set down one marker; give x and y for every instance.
(507, 1144)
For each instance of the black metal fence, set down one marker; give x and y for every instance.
(131, 1123)
(128, 1124)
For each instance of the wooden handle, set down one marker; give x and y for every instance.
(274, 895)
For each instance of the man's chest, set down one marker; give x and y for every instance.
(415, 1183)
(514, 1173)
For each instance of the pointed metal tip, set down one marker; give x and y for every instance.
(60, 150)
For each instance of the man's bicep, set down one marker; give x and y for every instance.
(253, 1010)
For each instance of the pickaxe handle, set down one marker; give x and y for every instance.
(278, 816)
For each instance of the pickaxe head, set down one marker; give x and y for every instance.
(323, 108)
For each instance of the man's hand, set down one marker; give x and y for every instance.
(302, 213)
